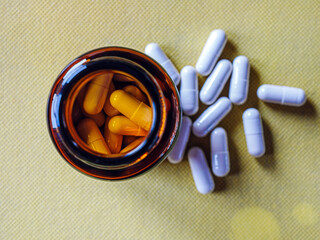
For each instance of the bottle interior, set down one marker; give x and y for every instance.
(111, 113)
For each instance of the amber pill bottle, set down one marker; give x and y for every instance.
(158, 87)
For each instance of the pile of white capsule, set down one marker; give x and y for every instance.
(219, 73)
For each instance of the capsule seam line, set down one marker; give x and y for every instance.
(283, 95)
(139, 130)
(136, 111)
(101, 85)
(96, 140)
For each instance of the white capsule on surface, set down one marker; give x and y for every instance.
(239, 83)
(214, 84)
(200, 170)
(177, 153)
(284, 95)
(219, 152)
(211, 52)
(189, 91)
(153, 50)
(211, 117)
(254, 132)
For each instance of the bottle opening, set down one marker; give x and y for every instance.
(124, 88)
(111, 113)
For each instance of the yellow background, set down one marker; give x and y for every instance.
(276, 196)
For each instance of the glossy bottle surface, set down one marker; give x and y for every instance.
(146, 74)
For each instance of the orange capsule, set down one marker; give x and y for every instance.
(98, 118)
(113, 140)
(108, 109)
(136, 92)
(123, 126)
(91, 135)
(132, 145)
(96, 93)
(127, 140)
(122, 78)
(132, 108)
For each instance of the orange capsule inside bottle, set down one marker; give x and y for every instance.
(91, 135)
(108, 109)
(98, 118)
(124, 126)
(113, 140)
(127, 140)
(122, 78)
(132, 108)
(132, 145)
(136, 92)
(96, 93)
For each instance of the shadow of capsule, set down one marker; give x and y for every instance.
(267, 160)
(307, 110)
(254, 82)
(234, 159)
(229, 51)
(220, 184)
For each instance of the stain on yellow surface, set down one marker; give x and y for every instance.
(305, 214)
(254, 223)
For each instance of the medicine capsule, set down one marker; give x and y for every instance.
(211, 117)
(136, 92)
(200, 170)
(211, 52)
(219, 152)
(96, 94)
(132, 145)
(127, 140)
(132, 108)
(239, 82)
(123, 126)
(113, 140)
(153, 50)
(282, 95)
(107, 108)
(189, 91)
(98, 118)
(91, 135)
(254, 132)
(214, 84)
(122, 78)
(177, 153)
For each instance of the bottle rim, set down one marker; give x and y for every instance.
(76, 152)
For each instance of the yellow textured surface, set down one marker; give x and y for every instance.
(42, 197)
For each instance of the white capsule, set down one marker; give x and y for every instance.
(211, 52)
(219, 152)
(254, 132)
(239, 83)
(200, 170)
(214, 84)
(177, 153)
(211, 117)
(189, 91)
(153, 50)
(282, 95)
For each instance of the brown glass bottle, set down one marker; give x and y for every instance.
(163, 98)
